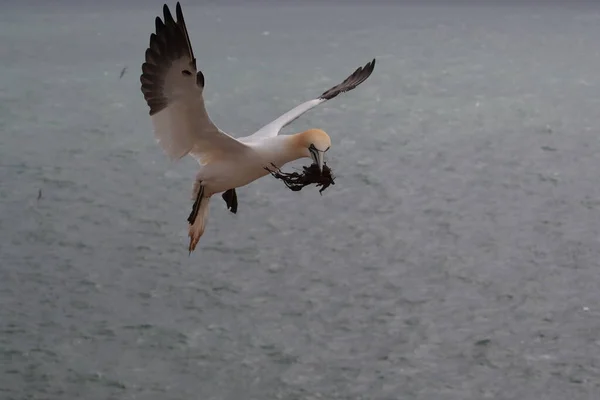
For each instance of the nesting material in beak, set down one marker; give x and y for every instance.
(311, 174)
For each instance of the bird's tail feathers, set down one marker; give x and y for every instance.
(197, 228)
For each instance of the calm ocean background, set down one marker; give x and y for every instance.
(457, 257)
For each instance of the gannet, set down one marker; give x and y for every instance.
(173, 89)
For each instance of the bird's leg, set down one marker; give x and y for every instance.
(230, 197)
(196, 206)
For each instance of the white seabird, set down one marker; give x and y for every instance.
(173, 89)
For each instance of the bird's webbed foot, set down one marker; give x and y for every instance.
(230, 197)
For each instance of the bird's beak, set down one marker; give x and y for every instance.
(318, 157)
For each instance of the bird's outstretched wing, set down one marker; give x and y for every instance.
(273, 128)
(172, 87)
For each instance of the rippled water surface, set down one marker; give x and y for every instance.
(457, 256)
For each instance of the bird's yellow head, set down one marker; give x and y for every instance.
(313, 143)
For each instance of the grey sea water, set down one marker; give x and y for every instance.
(457, 256)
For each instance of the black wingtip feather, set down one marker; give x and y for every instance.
(159, 26)
(181, 23)
(356, 78)
(178, 12)
(167, 15)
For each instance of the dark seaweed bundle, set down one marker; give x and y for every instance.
(311, 174)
